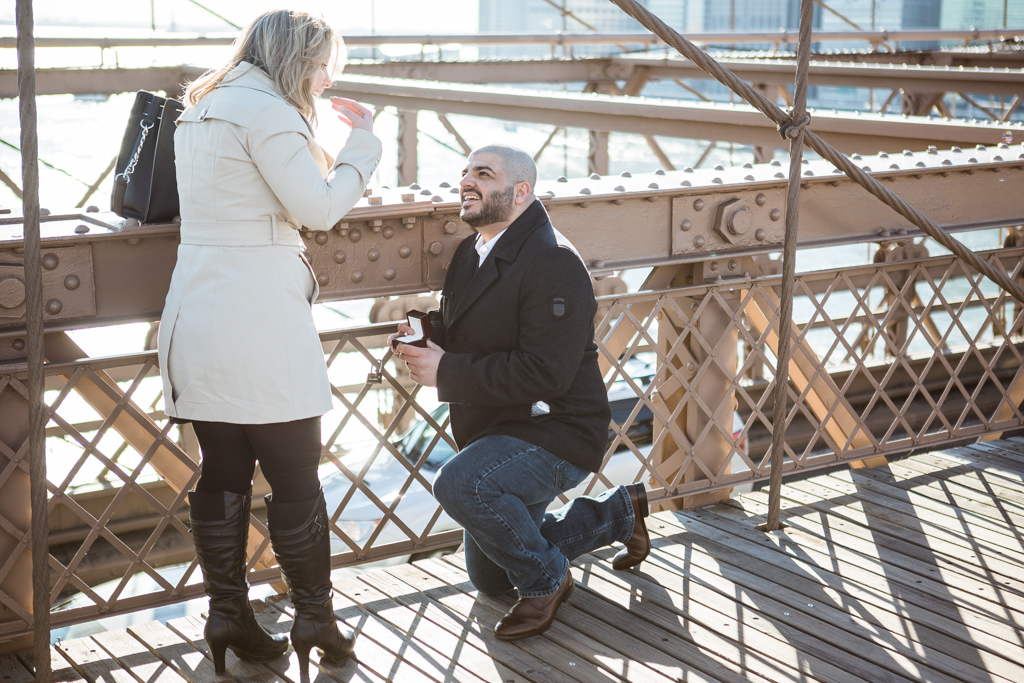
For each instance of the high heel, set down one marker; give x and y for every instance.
(220, 530)
(298, 534)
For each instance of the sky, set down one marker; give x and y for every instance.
(346, 16)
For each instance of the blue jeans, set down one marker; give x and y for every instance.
(498, 488)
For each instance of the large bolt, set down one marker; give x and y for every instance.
(739, 221)
(12, 292)
(436, 248)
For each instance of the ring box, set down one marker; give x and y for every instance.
(421, 330)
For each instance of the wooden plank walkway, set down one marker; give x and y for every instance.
(909, 572)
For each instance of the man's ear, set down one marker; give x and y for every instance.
(523, 192)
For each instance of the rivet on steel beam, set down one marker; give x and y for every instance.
(373, 254)
(81, 228)
(50, 261)
(355, 234)
(780, 174)
(748, 165)
(750, 178)
(625, 174)
(894, 167)
(981, 148)
(388, 232)
(761, 200)
(322, 279)
(436, 198)
(733, 265)
(698, 205)
(426, 193)
(1003, 145)
(561, 179)
(54, 306)
(584, 190)
(955, 149)
(686, 183)
(128, 222)
(653, 186)
(808, 172)
(414, 186)
(759, 235)
(339, 257)
(72, 282)
(883, 155)
(660, 171)
(321, 237)
(716, 181)
(92, 208)
(907, 153)
(776, 162)
(376, 200)
(390, 274)
(444, 185)
(866, 169)
(595, 176)
(454, 190)
(405, 251)
(719, 168)
(46, 212)
(921, 164)
(972, 160)
(714, 266)
(436, 248)
(698, 241)
(618, 201)
(687, 170)
(947, 162)
(685, 225)
(997, 158)
(855, 156)
(356, 276)
(775, 214)
(619, 188)
(18, 344)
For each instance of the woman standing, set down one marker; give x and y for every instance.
(239, 353)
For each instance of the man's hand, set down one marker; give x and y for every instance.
(403, 329)
(422, 362)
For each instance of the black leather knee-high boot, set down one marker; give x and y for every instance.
(301, 541)
(220, 531)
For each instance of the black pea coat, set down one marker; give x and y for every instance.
(518, 334)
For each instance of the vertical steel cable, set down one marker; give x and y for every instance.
(796, 154)
(34, 329)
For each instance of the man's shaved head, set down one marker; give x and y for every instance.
(518, 166)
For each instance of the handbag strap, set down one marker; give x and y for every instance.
(147, 122)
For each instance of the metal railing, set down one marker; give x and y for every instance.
(887, 358)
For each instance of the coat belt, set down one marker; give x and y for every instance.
(240, 233)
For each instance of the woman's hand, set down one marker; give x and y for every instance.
(353, 113)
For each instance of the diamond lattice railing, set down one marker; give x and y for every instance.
(887, 358)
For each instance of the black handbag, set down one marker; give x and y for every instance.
(145, 186)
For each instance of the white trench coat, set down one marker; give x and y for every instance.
(237, 340)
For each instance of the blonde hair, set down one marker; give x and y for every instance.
(290, 46)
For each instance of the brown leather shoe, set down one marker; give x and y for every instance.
(530, 616)
(638, 547)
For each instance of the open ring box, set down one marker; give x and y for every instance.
(421, 330)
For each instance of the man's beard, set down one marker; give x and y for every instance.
(495, 207)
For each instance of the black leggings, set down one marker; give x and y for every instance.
(288, 454)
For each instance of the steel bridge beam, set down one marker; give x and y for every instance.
(399, 241)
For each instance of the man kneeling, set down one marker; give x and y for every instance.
(513, 352)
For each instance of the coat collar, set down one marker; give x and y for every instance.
(248, 75)
(506, 250)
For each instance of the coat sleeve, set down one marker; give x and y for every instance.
(285, 162)
(556, 323)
